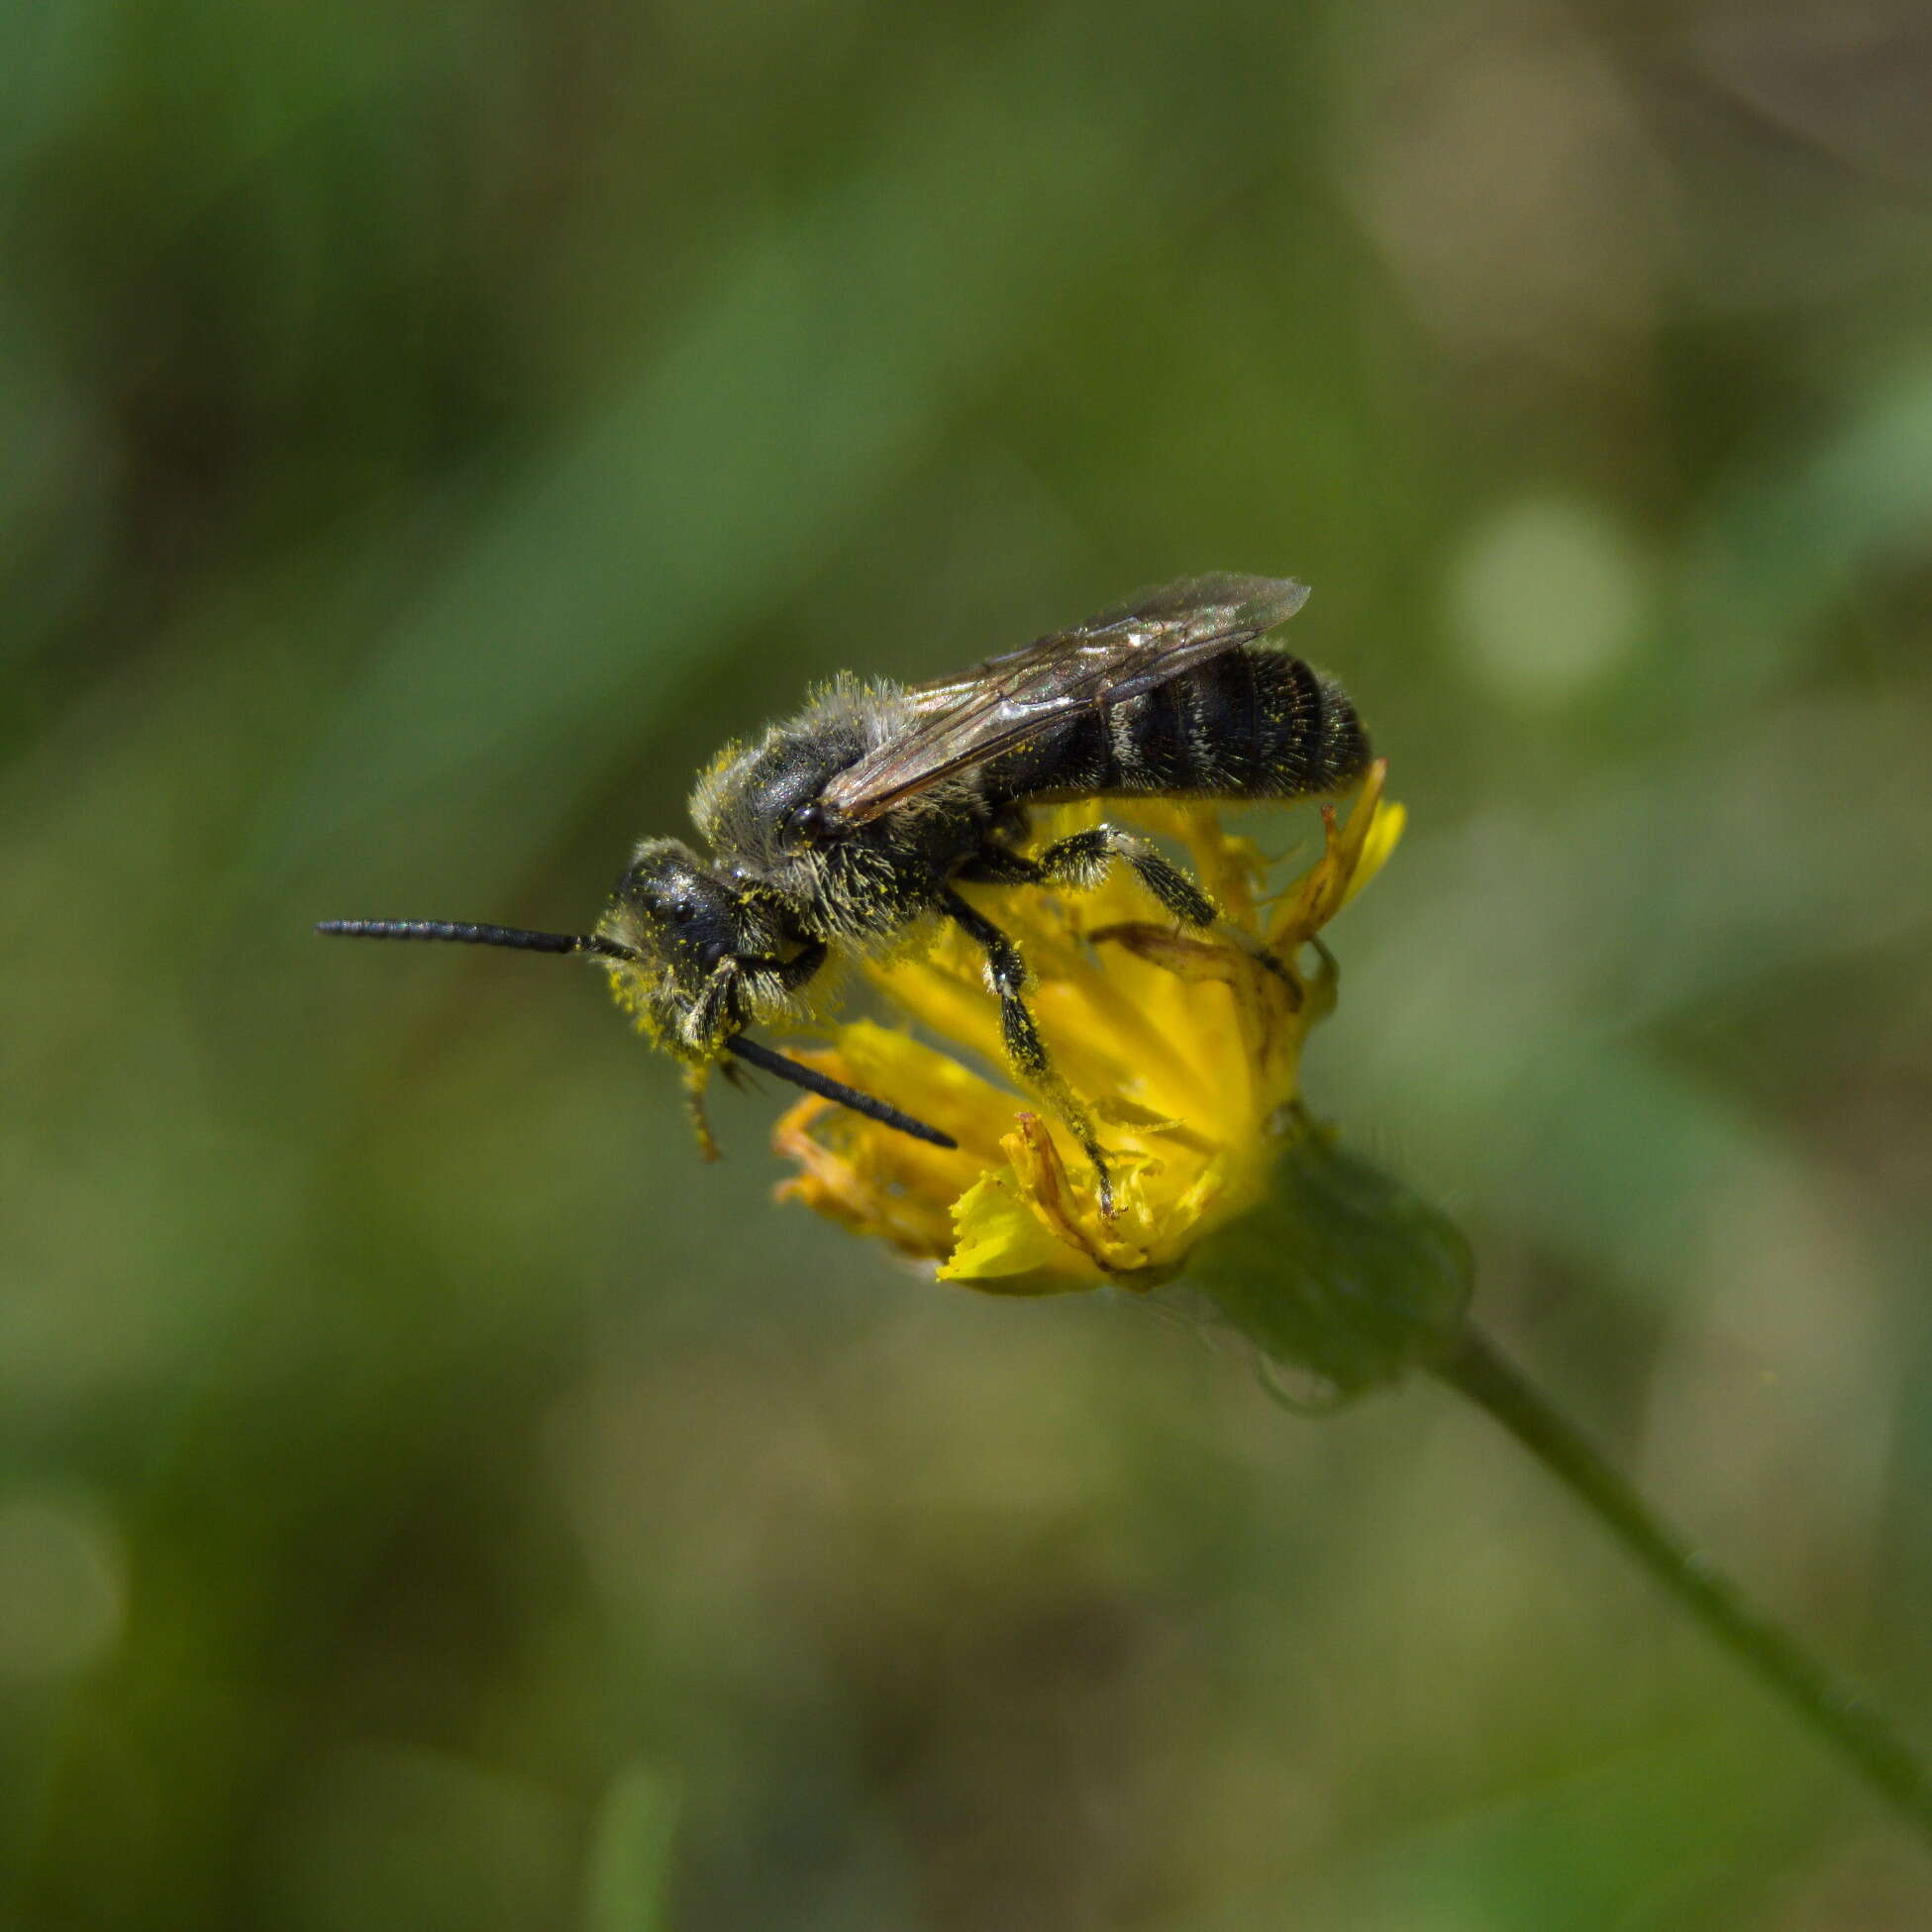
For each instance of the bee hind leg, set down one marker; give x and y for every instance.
(1020, 1035)
(1082, 860)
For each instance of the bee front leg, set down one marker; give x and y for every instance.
(696, 1079)
(714, 1012)
(793, 974)
(1006, 972)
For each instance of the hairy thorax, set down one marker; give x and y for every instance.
(865, 884)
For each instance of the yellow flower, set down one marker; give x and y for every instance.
(1184, 1046)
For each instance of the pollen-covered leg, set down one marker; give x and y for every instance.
(696, 1079)
(769, 987)
(1006, 971)
(713, 1014)
(802, 965)
(1083, 858)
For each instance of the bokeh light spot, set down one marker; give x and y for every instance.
(1546, 601)
(62, 1586)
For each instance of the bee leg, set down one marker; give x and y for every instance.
(696, 1079)
(802, 966)
(1082, 860)
(997, 865)
(713, 1013)
(1006, 971)
(770, 982)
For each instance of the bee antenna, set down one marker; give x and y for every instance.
(516, 938)
(827, 1088)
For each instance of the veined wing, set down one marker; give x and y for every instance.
(964, 720)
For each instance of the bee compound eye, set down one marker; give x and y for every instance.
(683, 911)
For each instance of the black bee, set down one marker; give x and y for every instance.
(849, 827)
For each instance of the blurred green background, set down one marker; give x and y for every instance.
(429, 1497)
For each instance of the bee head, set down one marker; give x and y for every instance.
(674, 911)
(671, 922)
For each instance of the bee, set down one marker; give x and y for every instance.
(847, 831)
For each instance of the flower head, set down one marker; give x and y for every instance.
(1185, 1046)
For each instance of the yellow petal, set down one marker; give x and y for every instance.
(1385, 833)
(1004, 1246)
(1323, 891)
(1182, 1047)
(846, 1188)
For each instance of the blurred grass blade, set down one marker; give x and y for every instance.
(756, 434)
(627, 1879)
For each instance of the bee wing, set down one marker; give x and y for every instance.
(964, 720)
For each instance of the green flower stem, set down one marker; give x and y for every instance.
(1827, 1708)
(1347, 1275)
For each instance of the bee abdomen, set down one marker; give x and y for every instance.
(1251, 723)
